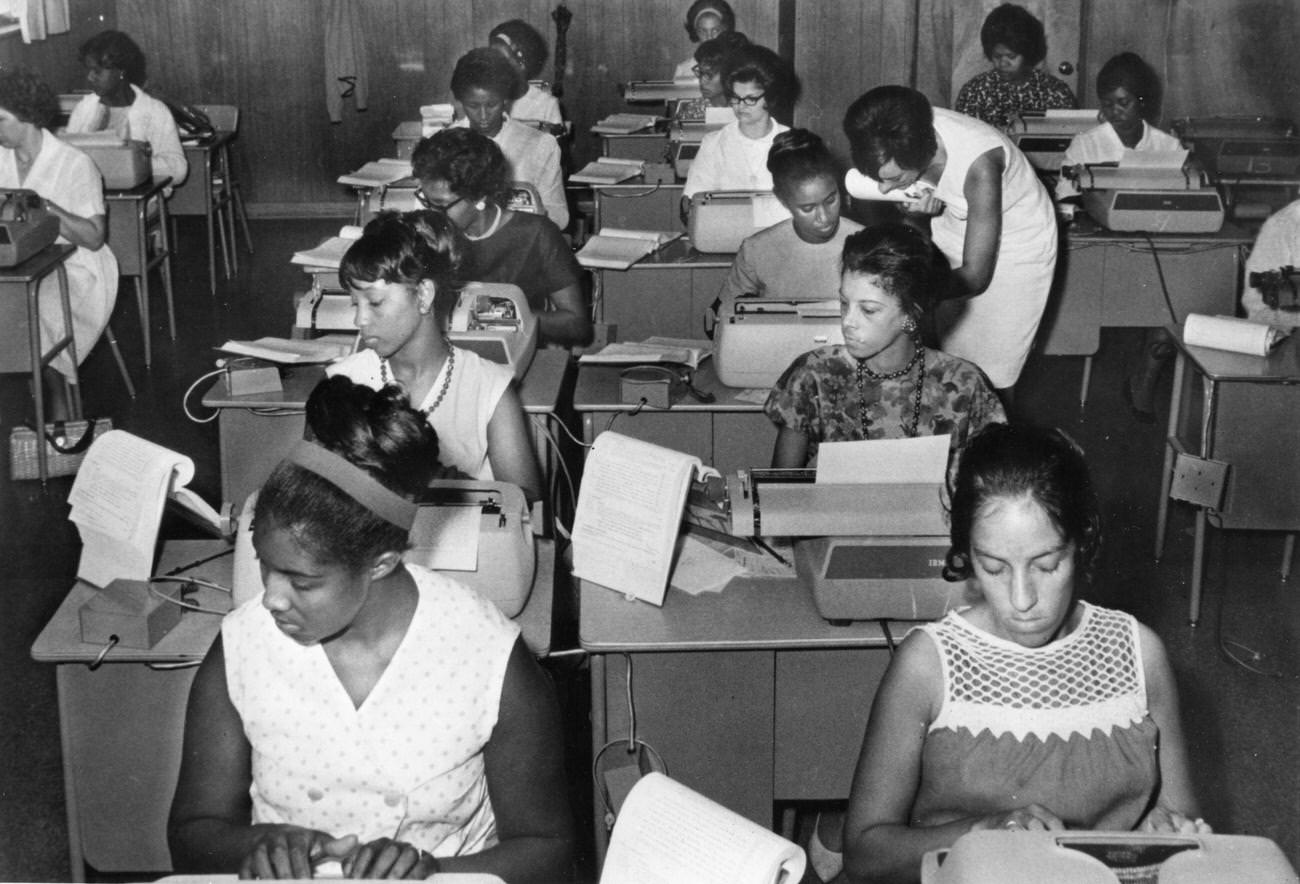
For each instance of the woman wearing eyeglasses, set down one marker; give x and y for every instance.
(734, 157)
(463, 174)
(710, 61)
(705, 20)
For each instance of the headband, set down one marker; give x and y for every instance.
(354, 482)
(695, 22)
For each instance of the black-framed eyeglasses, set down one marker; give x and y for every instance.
(746, 100)
(702, 71)
(422, 198)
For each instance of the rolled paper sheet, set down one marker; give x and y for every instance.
(1231, 333)
(864, 187)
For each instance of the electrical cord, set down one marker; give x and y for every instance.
(185, 400)
(188, 582)
(632, 745)
(1160, 272)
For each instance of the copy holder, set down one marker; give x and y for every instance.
(651, 385)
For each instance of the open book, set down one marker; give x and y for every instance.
(117, 502)
(608, 170)
(624, 124)
(618, 249)
(669, 833)
(629, 510)
(657, 349)
(329, 254)
(377, 173)
(294, 351)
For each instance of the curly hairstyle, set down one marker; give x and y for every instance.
(760, 65)
(1016, 28)
(1018, 461)
(720, 8)
(796, 156)
(713, 54)
(471, 163)
(407, 249)
(1129, 71)
(891, 123)
(485, 68)
(524, 43)
(376, 430)
(903, 261)
(114, 49)
(28, 97)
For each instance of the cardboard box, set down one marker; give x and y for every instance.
(130, 610)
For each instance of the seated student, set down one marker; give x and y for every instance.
(115, 72)
(463, 174)
(402, 277)
(705, 20)
(73, 190)
(882, 382)
(757, 83)
(361, 709)
(520, 43)
(798, 257)
(1277, 245)
(1031, 708)
(484, 84)
(710, 61)
(1014, 40)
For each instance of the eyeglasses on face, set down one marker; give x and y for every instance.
(703, 71)
(423, 199)
(747, 100)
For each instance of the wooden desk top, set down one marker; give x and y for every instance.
(60, 640)
(598, 390)
(1281, 366)
(37, 265)
(539, 390)
(750, 614)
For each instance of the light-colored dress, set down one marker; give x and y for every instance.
(408, 764)
(539, 105)
(1065, 725)
(1277, 245)
(69, 178)
(144, 119)
(534, 156)
(994, 329)
(730, 160)
(462, 419)
(776, 263)
(1100, 144)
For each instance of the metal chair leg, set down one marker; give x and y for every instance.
(121, 363)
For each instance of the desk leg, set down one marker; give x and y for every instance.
(74, 394)
(1288, 550)
(1171, 433)
(76, 859)
(1198, 548)
(598, 738)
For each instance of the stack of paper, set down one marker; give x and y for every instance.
(378, 173)
(624, 124)
(329, 254)
(608, 170)
(435, 117)
(618, 249)
(293, 351)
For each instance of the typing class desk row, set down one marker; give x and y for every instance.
(121, 722)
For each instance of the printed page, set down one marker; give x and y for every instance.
(629, 510)
(892, 461)
(329, 253)
(668, 833)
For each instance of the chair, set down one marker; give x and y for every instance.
(138, 233)
(211, 191)
(228, 197)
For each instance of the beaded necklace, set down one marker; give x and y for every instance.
(864, 371)
(446, 381)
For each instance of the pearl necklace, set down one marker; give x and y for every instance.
(492, 228)
(864, 371)
(446, 381)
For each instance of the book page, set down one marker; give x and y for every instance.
(378, 172)
(607, 171)
(668, 833)
(629, 509)
(292, 351)
(330, 252)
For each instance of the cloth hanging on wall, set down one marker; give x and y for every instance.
(346, 71)
(37, 19)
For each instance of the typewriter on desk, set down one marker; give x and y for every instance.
(122, 163)
(1043, 137)
(756, 339)
(495, 321)
(26, 226)
(1148, 198)
(691, 121)
(1244, 146)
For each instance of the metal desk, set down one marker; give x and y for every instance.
(1244, 410)
(665, 293)
(201, 195)
(132, 215)
(121, 723)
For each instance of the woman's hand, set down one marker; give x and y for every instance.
(1167, 820)
(386, 858)
(928, 204)
(291, 851)
(1031, 817)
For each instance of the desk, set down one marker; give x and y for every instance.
(20, 334)
(636, 205)
(198, 196)
(749, 695)
(121, 724)
(129, 224)
(257, 431)
(665, 293)
(652, 147)
(1244, 410)
(728, 433)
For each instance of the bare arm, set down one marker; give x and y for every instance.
(510, 450)
(1175, 808)
(791, 449)
(567, 322)
(88, 233)
(983, 192)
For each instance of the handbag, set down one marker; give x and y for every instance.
(66, 443)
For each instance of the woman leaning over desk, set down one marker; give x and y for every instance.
(402, 276)
(73, 190)
(990, 216)
(882, 382)
(463, 175)
(361, 709)
(115, 72)
(1030, 709)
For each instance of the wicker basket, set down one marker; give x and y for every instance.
(65, 444)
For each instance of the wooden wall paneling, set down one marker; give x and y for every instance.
(54, 59)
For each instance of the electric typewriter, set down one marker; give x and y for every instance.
(26, 226)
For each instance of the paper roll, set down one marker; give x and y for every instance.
(864, 187)
(1230, 333)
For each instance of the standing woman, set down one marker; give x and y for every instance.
(705, 20)
(402, 278)
(115, 72)
(526, 49)
(484, 85)
(991, 218)
(73, 190)
(1014, 41)
(463, 174)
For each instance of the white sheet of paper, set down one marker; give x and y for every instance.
(1153, 159)
(1072, 114)
(894, 461)
(767, 210)
(700, 568)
